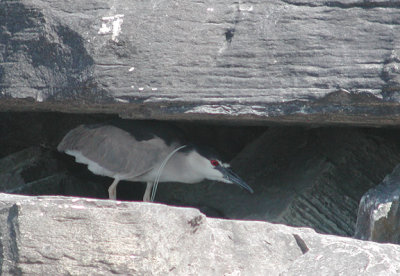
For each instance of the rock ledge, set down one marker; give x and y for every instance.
(77, 236)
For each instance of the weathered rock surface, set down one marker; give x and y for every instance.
(75, 236)
(281, 60)
(312, 177)
(35, 171)
(378, 214)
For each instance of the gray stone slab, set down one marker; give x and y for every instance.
(286, 61)
(75, 236)
(378, 212)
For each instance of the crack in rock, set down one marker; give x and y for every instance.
(301, 243)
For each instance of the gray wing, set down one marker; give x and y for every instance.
(114, 150)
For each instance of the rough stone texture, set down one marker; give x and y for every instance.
(74, 236)
(35, 171)
(312, 177)
(378, 214)
(280, 60)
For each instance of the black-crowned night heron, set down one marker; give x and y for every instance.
(144, 152)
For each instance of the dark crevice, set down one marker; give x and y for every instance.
(229, 35)
(338, 4)
(363, 5)
(13, 230)
(301, 243)
(231, 31)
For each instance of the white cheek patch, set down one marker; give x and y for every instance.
(216, 175)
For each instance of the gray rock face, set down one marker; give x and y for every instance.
(301, 177)
(74, 236)
(292, 61)
(378, 214)
(286, 61)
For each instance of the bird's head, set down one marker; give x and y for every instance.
(207, 163)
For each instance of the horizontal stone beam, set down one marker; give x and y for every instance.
(275, 61)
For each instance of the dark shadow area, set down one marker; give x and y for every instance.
(53, 61)
(35, 136)
(301, 176)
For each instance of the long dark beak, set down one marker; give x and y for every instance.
(234, 178)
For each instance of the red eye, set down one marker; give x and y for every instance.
(214, 163)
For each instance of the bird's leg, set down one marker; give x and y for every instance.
(112, 190)
(147, 193)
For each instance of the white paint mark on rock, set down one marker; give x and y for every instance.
(111, 24)
(222, 49)
(210, 9)
(141, 88)
(39, 97)
(78, 207)
(154, 88)
(121, 100)
(245, 7)
(131, 69)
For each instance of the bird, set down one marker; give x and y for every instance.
(144, 151)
